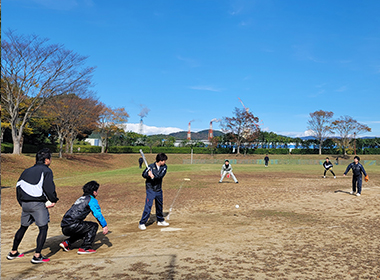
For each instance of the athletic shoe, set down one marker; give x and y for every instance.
(82, 251)
(14, 256)
(40, 259)
(142, 227)
(324, 176)
(219, 182)
(237, 182)
(163, 224)
(65, 246)
(358, 194)
(351, 192)
(334, 177)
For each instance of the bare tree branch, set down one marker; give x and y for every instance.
(33, 70)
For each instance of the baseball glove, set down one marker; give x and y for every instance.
(366, 178)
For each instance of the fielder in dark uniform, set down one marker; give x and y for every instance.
(357, 170)
(266, 160)
(328, 167)
(34, 188)
(73, 224)
(154, 174)
(140, 162)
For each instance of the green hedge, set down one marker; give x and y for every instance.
(371, 151)
(6, 148)
(84, 149)
(27, 148)
(280, 151)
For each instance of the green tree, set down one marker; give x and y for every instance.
(243, 126)
(32, 71)
(347, 128)
(320, 125)
(110, 122)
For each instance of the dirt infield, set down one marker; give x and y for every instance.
(291, 224)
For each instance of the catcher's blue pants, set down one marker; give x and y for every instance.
(357, 182)
(150, 196)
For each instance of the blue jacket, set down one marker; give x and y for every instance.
(357, 169)
(156, 183)
(80, 209)
(36, 184)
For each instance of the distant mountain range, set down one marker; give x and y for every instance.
(200, 135)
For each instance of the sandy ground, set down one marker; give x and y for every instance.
(288, 226)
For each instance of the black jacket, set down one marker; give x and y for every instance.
(80, 210)
(156, 183)
(357, 169)
(36, 184)
(327, 165)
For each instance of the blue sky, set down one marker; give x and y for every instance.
(191, 60)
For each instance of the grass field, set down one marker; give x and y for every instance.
(291, 223)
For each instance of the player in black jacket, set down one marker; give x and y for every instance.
(266, 160)
(357, 170)
(328, 167)
(34, 188)
(153, 183)
(73, 224)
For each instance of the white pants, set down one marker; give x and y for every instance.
(228, 172)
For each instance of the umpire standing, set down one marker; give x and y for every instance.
(34, 188)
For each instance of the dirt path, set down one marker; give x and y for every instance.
(286, 227)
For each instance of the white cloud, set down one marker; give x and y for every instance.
(189, 61)
(295, 134)
(320, 92)
(208, 88)
(303, 53)
(341, 89)
(150, 130)
(321, 85)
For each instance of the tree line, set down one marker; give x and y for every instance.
(343, 130)
(46, 94)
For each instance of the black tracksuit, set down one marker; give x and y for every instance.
(328, 166)
(153, 192)
(357, 170)
(73, 223)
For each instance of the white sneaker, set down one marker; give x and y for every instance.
(358, 194)
(351, 192)
(142, 227)
(324, 176)
(163, 224)
(334, 177)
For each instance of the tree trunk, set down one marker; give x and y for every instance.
(21, 143)
(16, 137)
(60, 139)
(67, 145)
(320, 148)
(104, 144)
(60, 147)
